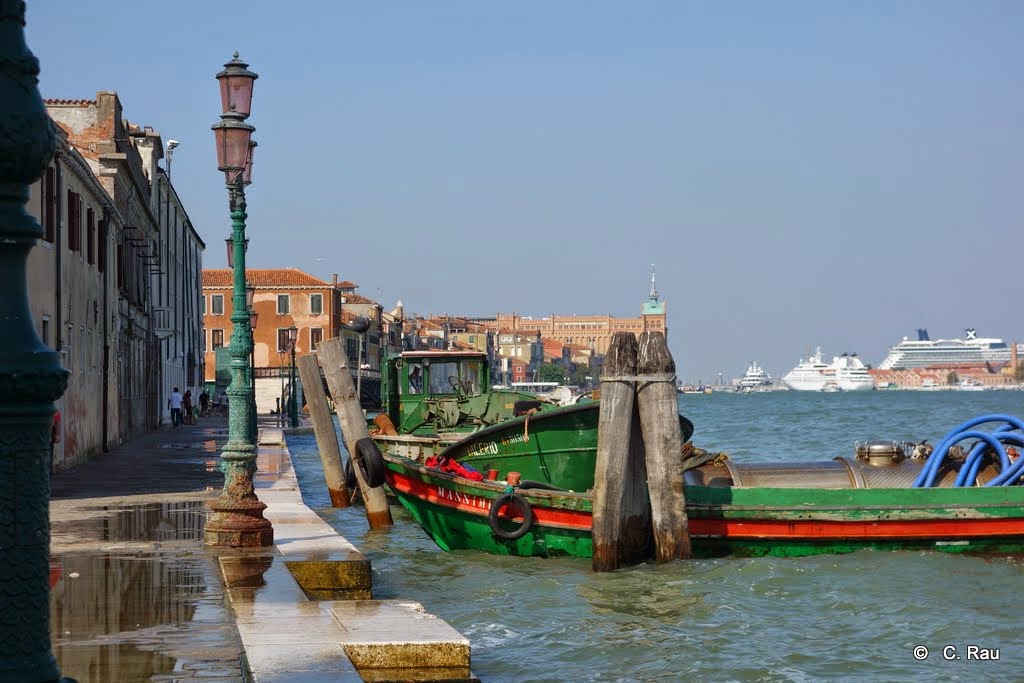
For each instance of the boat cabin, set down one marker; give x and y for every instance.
(425, 392)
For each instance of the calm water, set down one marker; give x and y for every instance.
(842, 617)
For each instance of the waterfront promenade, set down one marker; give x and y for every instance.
(138, 597)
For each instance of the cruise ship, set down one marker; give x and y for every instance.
(924, 352)
(844, 373)
(754, 377)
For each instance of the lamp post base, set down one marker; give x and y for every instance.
(238, 524)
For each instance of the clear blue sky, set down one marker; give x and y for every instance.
(801, 173)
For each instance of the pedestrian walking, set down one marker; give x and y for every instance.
(54, 436)
(186, 404)
(204, 403)
(175, 402)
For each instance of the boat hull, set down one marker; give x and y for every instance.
(727, 520)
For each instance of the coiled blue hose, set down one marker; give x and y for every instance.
(1012, 431)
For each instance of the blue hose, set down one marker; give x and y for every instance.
(972, 464)
(1010, 472)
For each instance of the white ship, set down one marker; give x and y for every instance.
(924, 352)
(844, 373)
(850, 374)
(754, 378)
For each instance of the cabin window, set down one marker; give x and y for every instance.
(415, 378)
(444, 377)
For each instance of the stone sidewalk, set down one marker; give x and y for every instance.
(136, 597)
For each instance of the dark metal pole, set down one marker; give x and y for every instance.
(294, 407)
(31, 376)
(254, 434)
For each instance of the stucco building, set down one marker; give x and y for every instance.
(157, 255)
(74, 295)
(114, 248)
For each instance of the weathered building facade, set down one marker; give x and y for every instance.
(74, 296)
(176, 278)
(98, 130)
(97, 275)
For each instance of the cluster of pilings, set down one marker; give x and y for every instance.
(639, 500)
(331, 356)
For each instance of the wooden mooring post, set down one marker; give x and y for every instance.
(334, 361)
(323, 428)
(621, 522)
(659, 421)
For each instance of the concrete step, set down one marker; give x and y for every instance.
(304, 607)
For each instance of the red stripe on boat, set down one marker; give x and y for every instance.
(738, 529)
(481, 505)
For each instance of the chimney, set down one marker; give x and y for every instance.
(334, 280)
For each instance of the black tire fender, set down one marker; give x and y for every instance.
(370, 461)
(500, 502)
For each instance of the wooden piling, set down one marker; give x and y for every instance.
(333, 359)
(620, 527)
(659, 420)
(323, 427)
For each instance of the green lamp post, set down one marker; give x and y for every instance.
(293, 395)
(31, 376)
(237, 519)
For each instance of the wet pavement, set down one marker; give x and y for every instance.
(136, 596)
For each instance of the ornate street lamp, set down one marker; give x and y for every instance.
(237, 519)
(31, 376)
(230, 241)
(293, 398)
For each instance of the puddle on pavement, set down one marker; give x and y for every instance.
(181, 521)
(118, 618)
(205, 446)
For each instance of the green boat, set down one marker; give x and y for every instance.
(864, 500)
(431, 399)
(448, 393)
(434, 400)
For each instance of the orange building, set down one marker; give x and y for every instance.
(284, 297)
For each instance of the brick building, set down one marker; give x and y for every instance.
(284, 297)
(592, 331)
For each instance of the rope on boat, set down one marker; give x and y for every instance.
(1011, 431)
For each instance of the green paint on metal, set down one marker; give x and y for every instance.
(31, 376)
(238, 519)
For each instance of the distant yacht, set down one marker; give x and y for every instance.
(844, 373)
(754, 378)
(808, 375)
(924, 352)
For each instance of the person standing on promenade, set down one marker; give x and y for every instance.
(186, 404)
(175, 402)
(204, 403)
